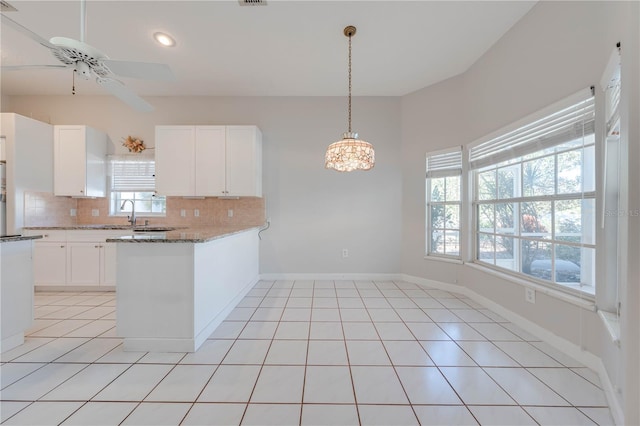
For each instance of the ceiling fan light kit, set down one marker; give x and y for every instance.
(350, 153)
(87, 62)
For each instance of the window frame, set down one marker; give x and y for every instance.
(115, 201)
(519, 156)
(447, 164)
(517, 234)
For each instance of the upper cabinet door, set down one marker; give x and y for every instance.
(70, 161)
(244, 161)
(175, 160)
(79, 161)
(210, 164)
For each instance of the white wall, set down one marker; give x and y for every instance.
(557, 49)
(314, 212)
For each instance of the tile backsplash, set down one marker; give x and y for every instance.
(44, 209)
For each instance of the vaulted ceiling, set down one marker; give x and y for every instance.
(283, 48)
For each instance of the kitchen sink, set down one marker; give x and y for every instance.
(153, 229)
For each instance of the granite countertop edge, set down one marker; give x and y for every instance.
(188, 235)
(13, 238)
(94, 227)
(179, 234)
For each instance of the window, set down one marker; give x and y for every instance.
(444, 170)
(133, 178)
(612, 221)
(534, 197)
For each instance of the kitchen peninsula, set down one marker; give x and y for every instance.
(16, 289)
(174, 288)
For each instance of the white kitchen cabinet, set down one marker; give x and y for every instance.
(83, 267)
(75, 258)
(108, 264)
(80, 155)
(50, 263)
(175, 160)
(244, 161)
(28, 148)
(209, 161)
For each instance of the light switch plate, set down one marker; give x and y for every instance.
(196, 212)
(95, 212)
(73, 212)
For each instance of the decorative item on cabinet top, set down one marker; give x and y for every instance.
(133, 144)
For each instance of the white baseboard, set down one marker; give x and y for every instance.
(318, 277)
(203, 334)
(571, 349)
(74, 288)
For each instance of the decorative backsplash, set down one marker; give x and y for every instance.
(45, 209)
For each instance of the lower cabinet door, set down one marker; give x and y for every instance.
(84, 264)
(108, 264)
(50, 263)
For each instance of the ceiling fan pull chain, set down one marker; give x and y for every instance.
(73, 82)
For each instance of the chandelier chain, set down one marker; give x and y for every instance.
(350, 83)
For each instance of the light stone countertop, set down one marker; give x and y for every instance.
(155, 233)
(184, 235)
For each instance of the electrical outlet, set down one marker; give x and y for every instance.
(73, 212)
(345, 253)
(529, 295)
(230, 213)
(95, 212)
(196, 212)
(183, 213)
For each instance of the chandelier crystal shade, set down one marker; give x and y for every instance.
(350, 153)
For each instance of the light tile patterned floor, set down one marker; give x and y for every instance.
(303, 352)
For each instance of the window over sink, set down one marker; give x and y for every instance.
(132, 177)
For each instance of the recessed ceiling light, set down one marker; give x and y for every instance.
(164, 39)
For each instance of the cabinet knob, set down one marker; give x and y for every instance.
(61, 246)
(81, 191)
(96, 246)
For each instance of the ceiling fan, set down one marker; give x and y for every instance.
(87, 62)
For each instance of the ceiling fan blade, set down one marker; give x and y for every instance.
(31, 67)
(143, 70)
(121, 92)
(26, 31)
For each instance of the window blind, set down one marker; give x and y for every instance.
(132, 174)
(570, 120)
(611, 86)
(444, 163)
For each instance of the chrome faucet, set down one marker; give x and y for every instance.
(131, 219)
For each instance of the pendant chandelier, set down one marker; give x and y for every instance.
(350, 153)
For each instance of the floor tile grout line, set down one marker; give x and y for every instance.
(306, 359)
(246, 408)
(483, 368)
(402, 385)
(69, 378)
(445, 377)
(346, 350)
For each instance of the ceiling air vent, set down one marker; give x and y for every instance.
(6, 7)
(252, 2)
